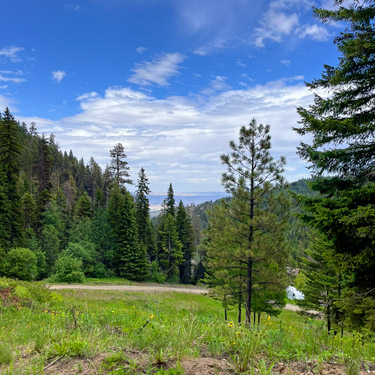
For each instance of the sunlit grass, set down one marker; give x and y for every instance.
(84, 323)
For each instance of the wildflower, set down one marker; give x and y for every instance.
(238, 333)
(133, 307)
(113, 312)
(230, 324)
(269, 318)
(233, 343)
(152, 316)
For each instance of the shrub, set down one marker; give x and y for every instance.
(155, 273)
(21, 263)
(68, 270)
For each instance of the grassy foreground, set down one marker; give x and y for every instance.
(167, 327)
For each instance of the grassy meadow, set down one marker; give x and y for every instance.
(112, 332)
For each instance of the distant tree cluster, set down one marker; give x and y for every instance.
(67, 220)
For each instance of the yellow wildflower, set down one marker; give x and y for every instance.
(269, 318)
(152, 316)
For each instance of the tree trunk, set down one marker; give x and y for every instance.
(249, 290)
(259, 319)
(254, 316)
(225, 314)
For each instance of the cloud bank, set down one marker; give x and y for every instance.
(180, 139)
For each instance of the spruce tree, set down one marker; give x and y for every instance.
(342, 126)
(11, 221)
(170, 203)
(186, 236)
(143, 211)
(130, 258)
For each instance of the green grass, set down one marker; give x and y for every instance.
(84, 323)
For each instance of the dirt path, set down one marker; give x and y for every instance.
(134, 288)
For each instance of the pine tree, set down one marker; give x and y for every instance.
(343, 146)
(257, 213)
(130, 258)
(186, 236)
(10, 164)
(119, 166)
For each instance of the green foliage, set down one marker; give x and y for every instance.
(68, 270)
(131, 258)
(246, 245)
(21, 263)
(11, 220)
(341, 126)
(186, 236)
(170, 254)
(83, 206)
(156, 273)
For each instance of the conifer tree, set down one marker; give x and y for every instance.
(257, 215)
(170, 202)
(143, 213)
(170, 254)
(83, 206)
(10, 164)
(342, 126)
(186, 236)
(130, 258)
(119, 166)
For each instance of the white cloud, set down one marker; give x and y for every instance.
(316, 32)
(73, 7)
(282, 19)
(10, 76)
(285, 62)
(209, 48)
(157, 71)
(217, 84)
(11, 53)
(141, 50)
(58, 75)
(3, 87)
(241, 64)
(87, 96)
(175, 137)
(275, 25)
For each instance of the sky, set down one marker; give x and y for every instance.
(172, 80)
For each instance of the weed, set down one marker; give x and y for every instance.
(6, 355)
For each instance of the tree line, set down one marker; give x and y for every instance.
(67, 220)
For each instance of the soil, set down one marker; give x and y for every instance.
(195, 366)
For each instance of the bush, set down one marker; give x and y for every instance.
(21, 293)
(68, 270)
(156, 274)
(21, 263)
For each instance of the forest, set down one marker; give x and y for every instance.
(64, 220)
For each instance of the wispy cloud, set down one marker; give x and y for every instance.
(285, 62)
(215, 46)
(11, 53)
(58, 75)
(141, 50)
(217, 84)
(12, 77)
(158, 71)
(73, 7)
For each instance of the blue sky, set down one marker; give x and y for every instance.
(173, 80)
